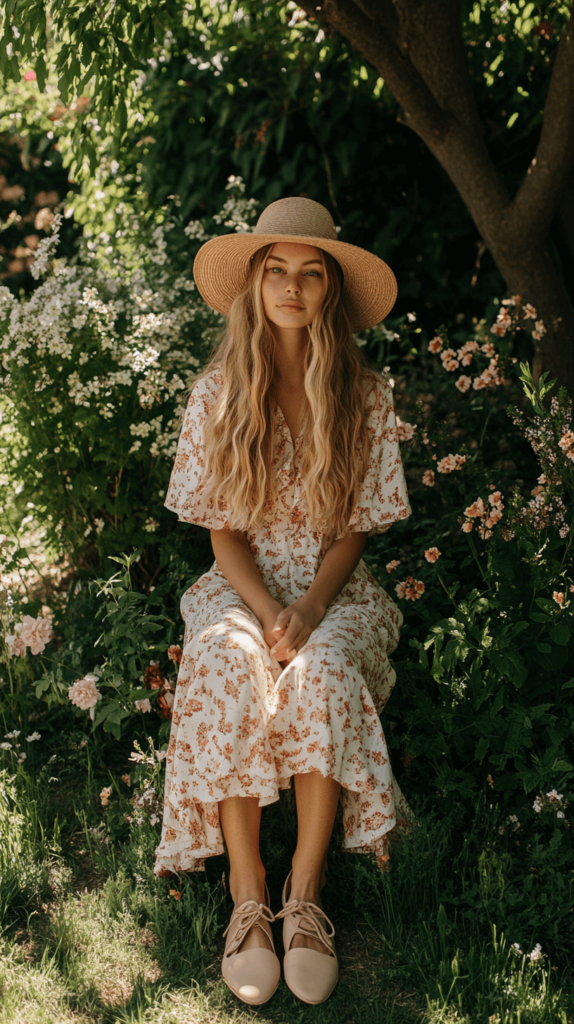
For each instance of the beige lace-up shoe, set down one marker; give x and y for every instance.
(251, 974)
(310, 975)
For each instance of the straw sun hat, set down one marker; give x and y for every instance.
(221, 266)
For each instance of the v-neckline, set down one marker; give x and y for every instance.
(289, 434)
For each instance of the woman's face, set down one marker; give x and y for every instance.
(293, 285)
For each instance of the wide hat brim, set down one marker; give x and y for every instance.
(221, 270)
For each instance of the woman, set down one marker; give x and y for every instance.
(288, 454)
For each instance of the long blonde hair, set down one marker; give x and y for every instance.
(239, 430)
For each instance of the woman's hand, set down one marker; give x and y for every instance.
(268, 621)
(294, 626)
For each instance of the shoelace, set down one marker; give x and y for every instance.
(308, 923)
(245, 917)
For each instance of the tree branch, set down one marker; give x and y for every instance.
(421, 111)
(537, 199)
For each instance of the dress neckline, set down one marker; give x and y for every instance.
(286, 426)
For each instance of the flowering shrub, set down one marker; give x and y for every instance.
(485, 701)
(97, 365)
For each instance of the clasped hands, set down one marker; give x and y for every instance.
(286, 630)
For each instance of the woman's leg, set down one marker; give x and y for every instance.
(240, 818)
(317, 799)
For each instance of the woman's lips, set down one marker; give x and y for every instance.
(291, 305)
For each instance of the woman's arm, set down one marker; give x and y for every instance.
(234, 558)
(305, 614)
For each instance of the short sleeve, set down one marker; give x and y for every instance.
(383, 497)
(185, 494)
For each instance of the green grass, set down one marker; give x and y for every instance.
(90, 935)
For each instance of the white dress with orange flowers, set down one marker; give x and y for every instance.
(242, 724)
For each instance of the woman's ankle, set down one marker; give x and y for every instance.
(245, 886)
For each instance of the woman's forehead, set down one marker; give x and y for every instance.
(295, 251)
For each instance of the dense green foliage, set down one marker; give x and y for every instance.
(183, 95)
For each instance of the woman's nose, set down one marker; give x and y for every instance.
(292, 285)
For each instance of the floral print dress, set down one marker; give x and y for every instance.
(242, 723)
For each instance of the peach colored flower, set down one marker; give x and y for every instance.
(127, 779)
(44, 219)
(405, 431)
(539, 328)
(529, 312)
(467, 527)
(450, 463)
(451, 365)
(411, 589)
(143, 705)
(463, 383)
(105, 795)
(435, 345)
(432, 554)
(35, 633)
(558, 597)
(483, 532)
(487, 348)
(428, 478)
(392, 565)
(84, 693)
(499, 330)
(478, 508)
(175, 653)
(15, 645)
(496, 498)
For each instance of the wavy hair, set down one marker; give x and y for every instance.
(239, 430)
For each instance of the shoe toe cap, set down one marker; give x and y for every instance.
(310, 975)
(253, 975)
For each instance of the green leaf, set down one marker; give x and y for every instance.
(560, 633)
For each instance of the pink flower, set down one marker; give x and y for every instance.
(15, 645)
(405, 431)
(143, 705)
(392, 565)
(558, 597)
(450, 463)
(463, 383)
(105, 795)
(478, 508)
(175, 653)
(428, 478)
(432, 554)
(435, 345)
(411, 589)
(467, 527)
(84, 693)
(36, 632)
(30, 76)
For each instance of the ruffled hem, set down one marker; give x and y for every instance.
(186, 849)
